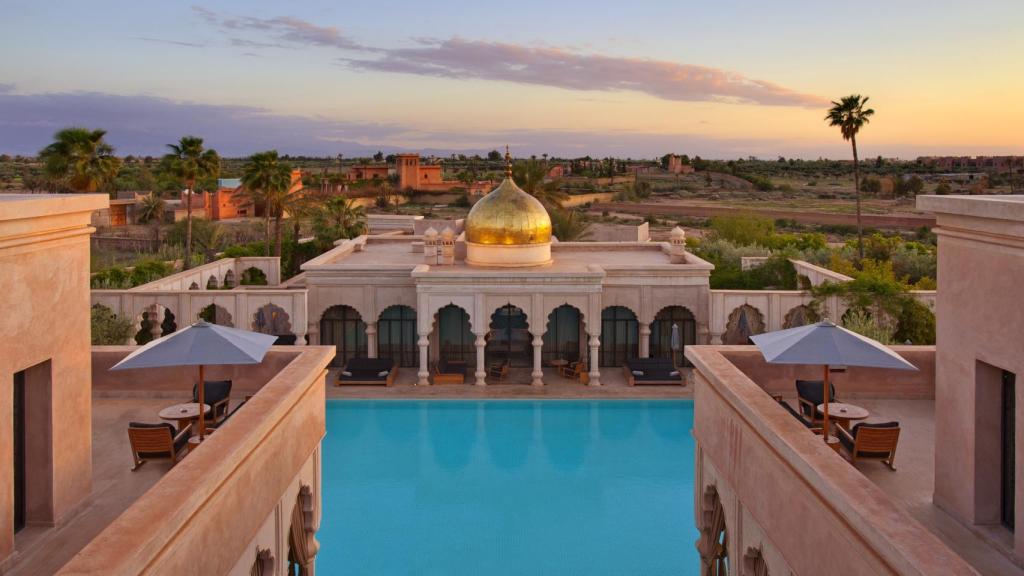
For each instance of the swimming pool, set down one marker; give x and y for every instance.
(496, 487)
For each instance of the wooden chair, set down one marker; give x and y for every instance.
(155, 441)
(871, 442)
(571, 370)
(809, 395)
(499, 371)
(799, 417)
(217, 394)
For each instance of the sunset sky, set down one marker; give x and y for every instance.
(718, 79)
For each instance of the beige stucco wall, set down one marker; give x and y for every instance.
(44, 277)
(979, 318)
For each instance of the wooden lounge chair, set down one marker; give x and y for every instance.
(809, 395)
(216, 394)
(866, 441)
(211, 426)
(449, 372)
(499, 371)
(154, 441)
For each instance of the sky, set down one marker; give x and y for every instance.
(720, 79)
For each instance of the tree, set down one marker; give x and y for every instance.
(494, 155)
(530, 175)
(568, 225)
(850, 114)
(80, 160)
(152, 209)
(378, 157)
(337, 218)
(266, 180)
(188, 161)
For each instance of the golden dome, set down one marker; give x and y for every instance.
(508, 216)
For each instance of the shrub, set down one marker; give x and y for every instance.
(462, 201)
(943, 189)
(915, 323)
(743, 229)
(109, 328)
(862, 322)
(871, 185)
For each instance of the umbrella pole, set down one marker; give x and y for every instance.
(825, 432)
(202, 402)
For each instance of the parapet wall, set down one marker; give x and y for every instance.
(788, 498)
(232, 495)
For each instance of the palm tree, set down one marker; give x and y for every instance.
(266, 180)
(337, 218)
(851, 114)
(80, 160)
(188, 162)
(568, 225)
(152, 209)
(530, 175)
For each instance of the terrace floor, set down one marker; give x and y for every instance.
(41, 551)
(913, 483)
(516, 385)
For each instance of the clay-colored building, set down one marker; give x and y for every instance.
(44, 373)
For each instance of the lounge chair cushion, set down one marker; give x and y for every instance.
(214, 391)
(795, 414)
(446, 367)
(367, 368)
(652, 369)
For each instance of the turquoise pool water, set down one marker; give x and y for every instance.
(508, 487)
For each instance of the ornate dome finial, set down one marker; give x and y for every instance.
(508, 162)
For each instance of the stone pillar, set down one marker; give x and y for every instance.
(538, 369)
(595, 373)
(424, 373)
(371, 339)
(481, 362)
(645, 340)
(716, 337)
(313, 331)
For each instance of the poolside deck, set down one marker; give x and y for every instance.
(913, 483)
(516, 385)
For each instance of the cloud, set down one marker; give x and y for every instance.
(469, 59)
(171, 42)
(143, 125)
(6, 87)
(244, 43)
(284, 28)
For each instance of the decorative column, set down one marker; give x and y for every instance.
(371, 339)
(595, 373)
(716, 337)
(538, 369)
(424, 373)
(645, 340)
(481, 368)
(313, 331)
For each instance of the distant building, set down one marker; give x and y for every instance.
(676, 165)
(990, 164)
(229, 201)
(412, 175)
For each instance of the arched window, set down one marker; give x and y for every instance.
(744, 322)
(229, 279)
(799, 316)
(509, 339)
(216, 314)
(396, 335)
(661, 333)
(563, 334)
(211, 283)
(713, 544)
(253, 276)
(343, 327)
(620, 336)
(455, 336)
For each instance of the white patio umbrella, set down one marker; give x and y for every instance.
(201, 344)
(829, 345)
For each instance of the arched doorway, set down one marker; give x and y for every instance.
(744, 322)
(343, 327)
(216, 314)
(661, 333)
(620, 336)
(396, 335)
(509, 339)
(713, 544)
(564, 334)
(454, 335)
(272, 319)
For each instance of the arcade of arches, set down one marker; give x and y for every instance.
(508, 338)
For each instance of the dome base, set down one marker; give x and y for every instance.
(508, 255)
